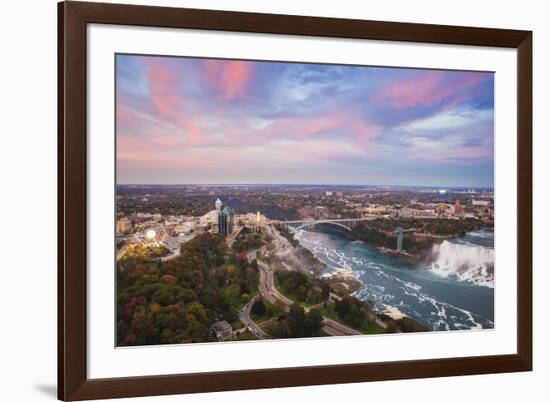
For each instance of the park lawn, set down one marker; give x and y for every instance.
(370, 328)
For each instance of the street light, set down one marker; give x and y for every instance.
(151, 234)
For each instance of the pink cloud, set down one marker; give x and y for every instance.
(339, 122)
(168, 99)
(163, 85)
(155, 155)
(428, 89)
(230, 77)
(235, 78)
(459, 155)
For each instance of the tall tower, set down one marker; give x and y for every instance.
(399, 238)
(218, 205)
(225, 221)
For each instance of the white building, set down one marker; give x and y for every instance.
(210, 218)
(408, 212)
(481, 203)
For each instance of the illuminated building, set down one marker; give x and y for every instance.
(225, 221)
(123, 225)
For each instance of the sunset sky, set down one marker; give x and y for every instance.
(201, 121)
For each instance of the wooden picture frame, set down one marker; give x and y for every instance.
(73, 17)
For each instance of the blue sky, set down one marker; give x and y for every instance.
(185, 121)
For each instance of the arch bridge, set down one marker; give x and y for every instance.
(347, 224)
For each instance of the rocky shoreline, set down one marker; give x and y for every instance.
(344, 284)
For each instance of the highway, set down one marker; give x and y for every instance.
(334, 328)
(269, 292)
(244, 316)
(267, 286)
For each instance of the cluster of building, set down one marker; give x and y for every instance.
(476, 208)
(173, 231)
(317, 212)
(480, 209)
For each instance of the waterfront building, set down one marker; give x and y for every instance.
(376, 209)
(481, 203)
(458, 208)
(225, 221)
(409, 212)
(222, 331)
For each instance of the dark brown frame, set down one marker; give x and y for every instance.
(73, 17)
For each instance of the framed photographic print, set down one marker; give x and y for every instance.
(253, 200)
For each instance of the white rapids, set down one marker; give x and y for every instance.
(465, 262)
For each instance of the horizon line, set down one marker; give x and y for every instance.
(305, 184)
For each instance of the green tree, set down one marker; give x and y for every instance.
(258, 308)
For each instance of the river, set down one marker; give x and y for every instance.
(455, 292)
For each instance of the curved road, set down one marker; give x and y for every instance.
(244, 316)
(273, 295)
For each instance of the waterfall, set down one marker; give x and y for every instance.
(465, 262)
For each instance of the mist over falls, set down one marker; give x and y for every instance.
(464, 262)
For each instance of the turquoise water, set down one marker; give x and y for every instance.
(455, 292)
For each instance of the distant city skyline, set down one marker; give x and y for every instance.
(205, 121)
(320, 185)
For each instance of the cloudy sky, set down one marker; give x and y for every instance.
(185, 121)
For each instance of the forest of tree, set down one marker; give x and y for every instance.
(248, 241)
(373, 232)
(301, 288)
(177, 301)
(298, 324)
(354, 312)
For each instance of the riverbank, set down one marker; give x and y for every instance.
(417, 242)
(342, 305)
(455, 292)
